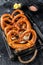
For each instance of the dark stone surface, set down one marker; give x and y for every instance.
(4, 59)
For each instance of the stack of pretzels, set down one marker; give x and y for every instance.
(18, 30)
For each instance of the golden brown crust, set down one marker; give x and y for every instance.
(17, 11)
(26, 22)
(27, 45)
(6, 20)
(6, 16)
(15, 28)
(17, 17)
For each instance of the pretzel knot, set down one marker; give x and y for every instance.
(6, 20)
(15, 43)
(17, 12)
(18, 30)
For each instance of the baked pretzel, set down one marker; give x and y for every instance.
(5, 22)
(17, 17)
(17, 11)
(17, 46)
(12, 36)
(9, 27)
(18, 27)
(6, 16)
(22, 17)
(19, 33)
(23, 24)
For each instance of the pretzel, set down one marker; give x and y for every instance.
(19, 33)
(24, 24)
(18, 26)
(18, 46)
(6, 16)
(9, 27)
(5, 22)
(17, 11)
(17, 17)
(12, 36)
(23, 17)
